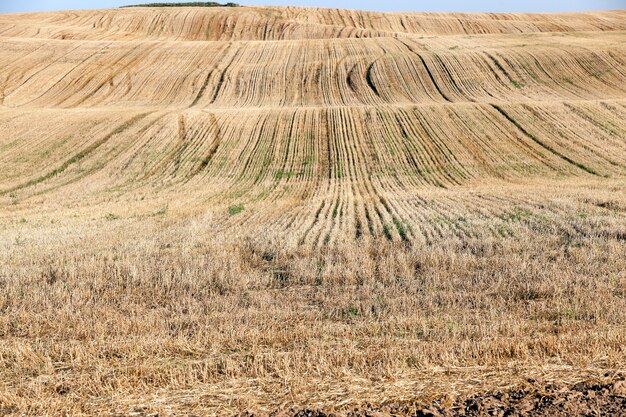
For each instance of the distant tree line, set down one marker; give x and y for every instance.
(188, 4)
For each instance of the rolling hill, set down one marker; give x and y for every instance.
(213, 210)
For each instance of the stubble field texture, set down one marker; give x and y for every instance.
(207, 211)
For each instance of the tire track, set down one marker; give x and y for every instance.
(542, 144)
(76, 157)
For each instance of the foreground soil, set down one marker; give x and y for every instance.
(554, 400)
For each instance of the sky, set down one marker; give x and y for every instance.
(11, 6)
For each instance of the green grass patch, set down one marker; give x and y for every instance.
(111, 217)
(283, 174)
(236, 209)
(519, 214)
(401, 229)
(186, 4)
(351, 311)
(387, 231)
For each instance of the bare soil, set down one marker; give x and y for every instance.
(553, 400)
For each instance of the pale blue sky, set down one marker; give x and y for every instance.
(9, 6)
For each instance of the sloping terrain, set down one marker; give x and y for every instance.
(215, 210)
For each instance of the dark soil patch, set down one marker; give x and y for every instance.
(551, 400)
(583, 399)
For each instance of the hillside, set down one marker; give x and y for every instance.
(294, 207)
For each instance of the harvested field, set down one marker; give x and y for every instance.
(217, 211)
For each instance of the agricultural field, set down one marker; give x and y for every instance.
(217, 211)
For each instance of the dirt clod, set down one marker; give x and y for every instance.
(619, 388)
